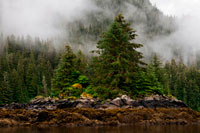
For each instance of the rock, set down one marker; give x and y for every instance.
(179, 104)
(117, 102)
(42, 100)
(49, 107)
(41, 103)
(127, 100)
(135, 104)
(21, 117)
(42, 116)
(7, 122)
(66, 104)
(140, 107)
(154, 97)
(153, 101)
(97, 117)
(108, 106)
(159, 101)
(37, 99)
(85, 103)
(122, 101)
(15, 106)
(127, 107)
(125, 97)
(148, 98)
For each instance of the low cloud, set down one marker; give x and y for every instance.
(186, 37)
(43, 18)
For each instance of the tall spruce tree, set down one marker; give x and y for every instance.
(118, 58)
(63, 77)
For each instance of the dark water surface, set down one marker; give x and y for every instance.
(123, 129)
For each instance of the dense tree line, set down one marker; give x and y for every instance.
(181, 81)
(26, 68)
(34, 67)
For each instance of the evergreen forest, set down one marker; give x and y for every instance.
(32, 67)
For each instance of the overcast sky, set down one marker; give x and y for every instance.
(178, 7)
(47, 19)
(41, 18)
(187, 14)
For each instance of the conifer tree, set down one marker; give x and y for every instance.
(21, 86)
(63, 77)
(81, 62)
(31, 81)
(7, 90)
(118, 58)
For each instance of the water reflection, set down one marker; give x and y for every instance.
(124, 129)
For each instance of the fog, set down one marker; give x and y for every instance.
(186, 37)
(178, 7)
(48, 19)
(42, 18)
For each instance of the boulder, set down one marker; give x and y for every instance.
(127, 100)
(117, 102)
(122, 101)
(41, 102)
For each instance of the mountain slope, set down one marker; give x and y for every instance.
(146, 19)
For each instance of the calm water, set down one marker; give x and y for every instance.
(125, 129)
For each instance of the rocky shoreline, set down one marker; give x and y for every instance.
(44, 112)
(154, 101)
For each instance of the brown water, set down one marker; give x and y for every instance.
(124, 129)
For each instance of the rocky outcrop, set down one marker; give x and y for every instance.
(98, 117)
(159, 101)
(154, 101)
(152, 110)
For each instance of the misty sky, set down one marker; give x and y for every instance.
(48, 18)
(187, 14)
(43, 18)
(178, 7)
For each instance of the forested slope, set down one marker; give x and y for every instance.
(28, 66)
(144, 17)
